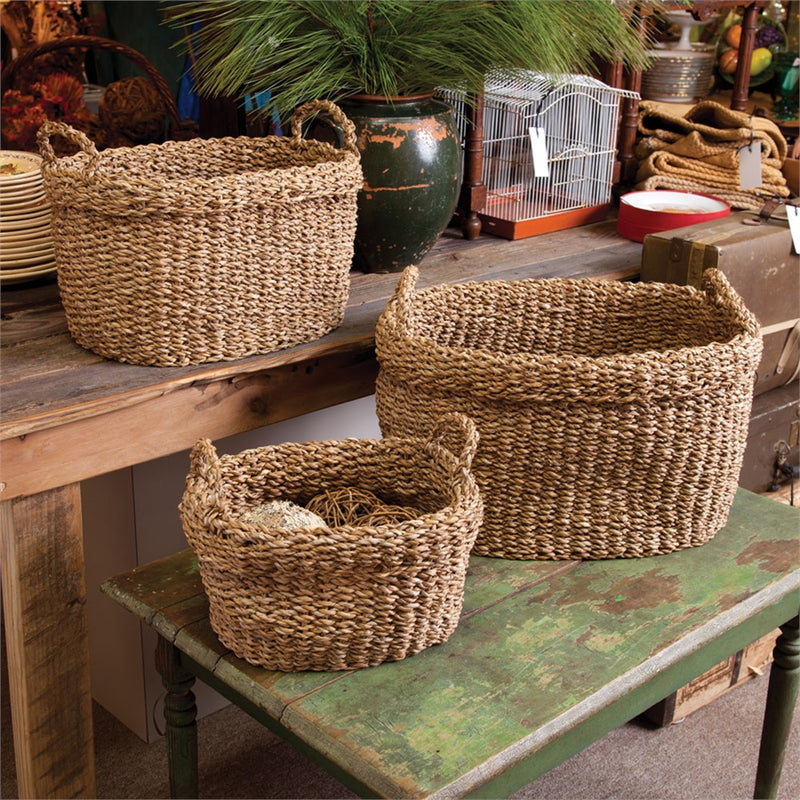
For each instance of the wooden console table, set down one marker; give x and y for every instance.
(67, 415)
(547, 658)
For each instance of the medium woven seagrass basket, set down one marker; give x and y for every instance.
(204, 250)
(613, 416)
(343, 597)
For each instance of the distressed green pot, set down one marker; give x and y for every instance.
(412, 164)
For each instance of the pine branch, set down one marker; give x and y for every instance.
(306, 49)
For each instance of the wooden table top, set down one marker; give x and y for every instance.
(548, 656)
(58, 398)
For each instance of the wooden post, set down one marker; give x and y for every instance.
(629, 116)
(784, 681)
(44, 607)
(180, 716)
(741, 83)
(473, 190)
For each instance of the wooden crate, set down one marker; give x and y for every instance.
(734, 671)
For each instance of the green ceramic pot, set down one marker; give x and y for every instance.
(412, 164)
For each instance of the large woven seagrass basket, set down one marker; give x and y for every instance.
(203, 250)
(342, 597)
(613, 416)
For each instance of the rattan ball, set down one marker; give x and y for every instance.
(388, 515)
(354, 506)
(133, 109)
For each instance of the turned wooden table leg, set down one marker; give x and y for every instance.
(180, 716)
(44, 609)
(784, 681)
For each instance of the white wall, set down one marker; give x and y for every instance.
(131, 518)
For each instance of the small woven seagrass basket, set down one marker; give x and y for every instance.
(204, 250)
(344, 597)
(613, 416)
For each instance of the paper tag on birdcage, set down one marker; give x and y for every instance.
(539, 152)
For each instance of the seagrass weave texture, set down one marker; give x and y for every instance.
(613, 416)
(339, 597)
(203, 250)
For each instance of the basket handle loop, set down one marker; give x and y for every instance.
(344, 128)
(447, 427)
(205, 463)
(719, 291)
(76, 137)
(399, 304)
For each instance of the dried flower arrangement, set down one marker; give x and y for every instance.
(56, 97)
(27, 23)
(52, 87)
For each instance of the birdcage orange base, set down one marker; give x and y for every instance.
(522, 228)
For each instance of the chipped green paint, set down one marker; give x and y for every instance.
(546, 658)
(518, 664)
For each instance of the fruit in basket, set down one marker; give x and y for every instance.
(728, 61)
(734, 35)
(760, 60)
(767, 35)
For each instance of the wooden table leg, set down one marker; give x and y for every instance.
(784, 681)
(44, 607)
(180, 716)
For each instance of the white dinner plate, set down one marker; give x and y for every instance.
(21, 205)
(14, 263)
(18, 162)
(14, 222)
(22, 275)
(19, 238)
(25, 251)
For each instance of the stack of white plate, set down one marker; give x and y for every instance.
(26, 247)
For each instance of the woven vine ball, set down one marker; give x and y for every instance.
(133, 109)
(353, 506)
(388, 515)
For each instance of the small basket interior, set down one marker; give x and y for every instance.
(403, 476)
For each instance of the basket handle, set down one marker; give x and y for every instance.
(344, 127)
(205, 463)
(399, 304)
(719, 291)
(76, 137)
(451, 424)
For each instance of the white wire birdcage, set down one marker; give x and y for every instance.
(578, 116)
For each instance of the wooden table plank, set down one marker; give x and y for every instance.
(48, 380)
(41, 555)
(470, 705)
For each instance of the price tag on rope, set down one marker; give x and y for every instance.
(750, 166)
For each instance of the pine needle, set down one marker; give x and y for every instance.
(301, 50)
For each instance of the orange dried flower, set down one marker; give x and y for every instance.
(56, 97)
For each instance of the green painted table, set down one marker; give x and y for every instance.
(548, 657)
